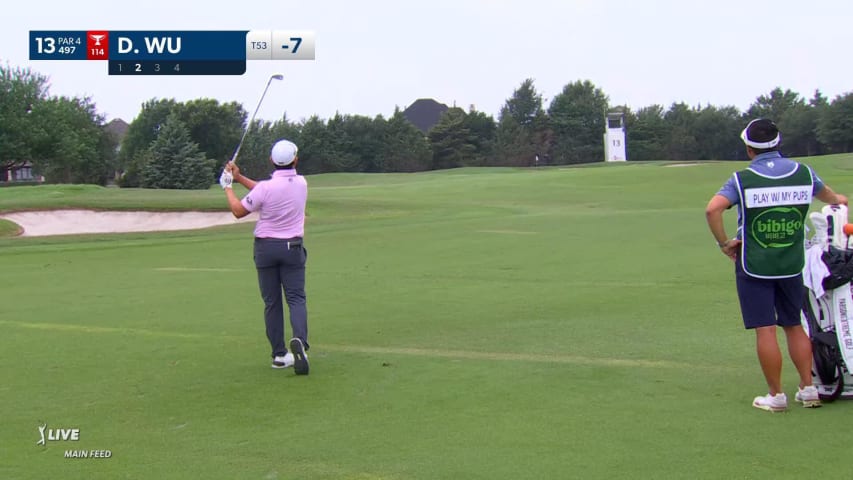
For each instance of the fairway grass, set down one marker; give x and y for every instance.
(8, 229)
(467, 324)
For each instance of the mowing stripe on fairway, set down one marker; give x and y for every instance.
(65, 327)
(508, 232)
(197, 269)
(403, 351)
(567, 283)
(506, 356)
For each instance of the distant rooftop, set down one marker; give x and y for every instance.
(117, 127)
(424, 113)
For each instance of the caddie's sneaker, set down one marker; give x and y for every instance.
(300, 365)
(771, 403)
(283, 362)
(808, 397)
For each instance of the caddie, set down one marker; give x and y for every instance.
(773, 195)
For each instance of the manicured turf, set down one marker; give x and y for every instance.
(465, 324)
(8, 229)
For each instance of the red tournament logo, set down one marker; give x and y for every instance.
(97, 45)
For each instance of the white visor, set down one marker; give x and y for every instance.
(754, 144)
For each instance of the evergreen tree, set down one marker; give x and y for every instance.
(453, 143)
(176, 161)
(405, 148)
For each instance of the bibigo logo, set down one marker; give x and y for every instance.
(777, 227)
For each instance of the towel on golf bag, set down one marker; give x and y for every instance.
(815, 270)
(840, 265)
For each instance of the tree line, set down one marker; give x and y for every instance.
(62, 137)
(174, 144)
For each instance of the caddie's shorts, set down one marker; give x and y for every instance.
(766, 302)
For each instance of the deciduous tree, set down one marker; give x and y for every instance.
(835, 128)
(577, 117)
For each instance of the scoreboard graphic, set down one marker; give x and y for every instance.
(196, 52)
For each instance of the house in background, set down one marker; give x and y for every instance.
(16, 172)
(117, 129)
(19, 173)
(424, 113)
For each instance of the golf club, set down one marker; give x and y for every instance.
(276, 76)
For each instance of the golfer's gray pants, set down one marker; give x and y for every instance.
(281, 265)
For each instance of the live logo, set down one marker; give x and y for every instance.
(97, 45)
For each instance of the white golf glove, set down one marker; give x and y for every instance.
(226, 179)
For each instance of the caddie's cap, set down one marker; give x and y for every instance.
(283, 153)
(761, 133)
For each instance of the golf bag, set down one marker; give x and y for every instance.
(826, 314)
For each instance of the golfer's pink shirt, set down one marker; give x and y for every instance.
(281, 203)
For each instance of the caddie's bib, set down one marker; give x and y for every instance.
(773, 210)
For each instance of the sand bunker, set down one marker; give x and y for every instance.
(70, 222)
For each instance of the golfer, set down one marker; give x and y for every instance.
(278, 248)
(773, 195)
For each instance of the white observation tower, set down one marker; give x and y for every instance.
(614, 138)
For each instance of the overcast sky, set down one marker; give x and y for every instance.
(373, 55)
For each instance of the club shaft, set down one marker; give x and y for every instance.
(251, 121)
